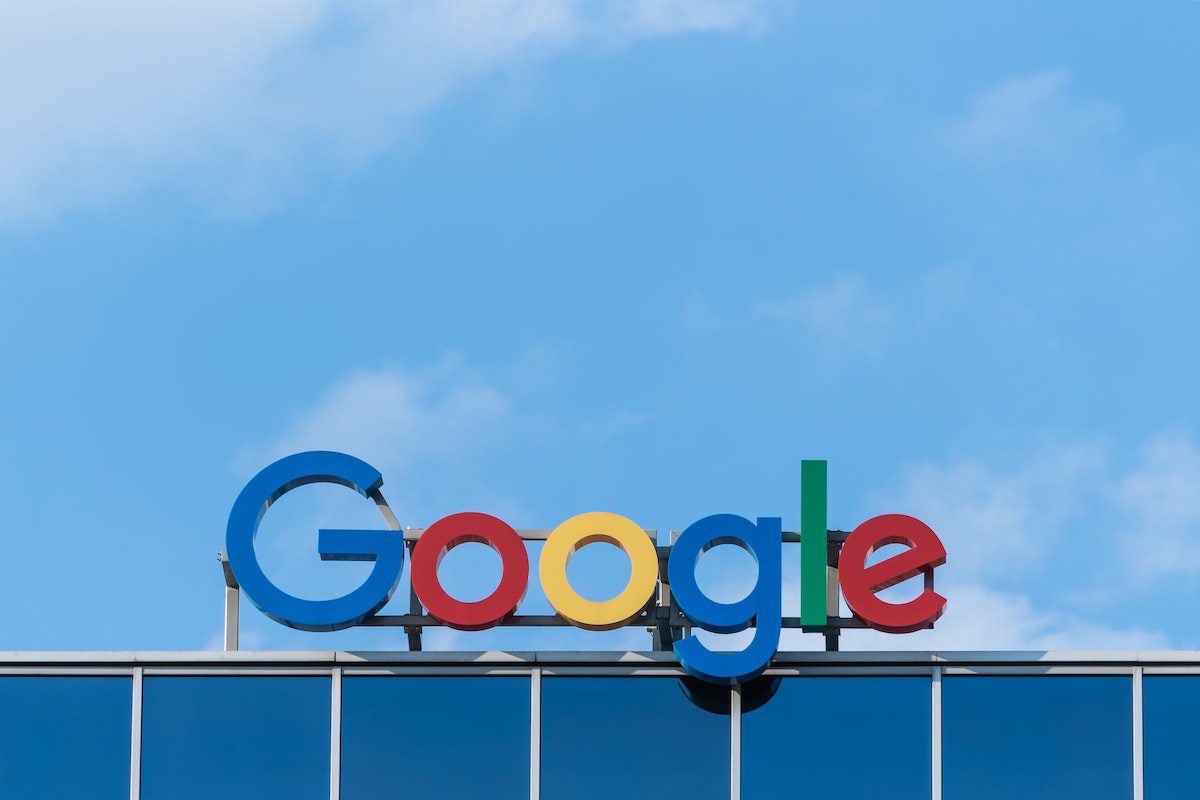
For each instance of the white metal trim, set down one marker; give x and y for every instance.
(535, 734)
(438, 672)
(936, 728)
(1138, 742)
(603, 670)
(834, 670)
(465, 658)
(335, 735)
(1187, 661)
(232, 603)
(735, 743)
(238, 671)
(95, 672)
(1042, 669)
(135, 738)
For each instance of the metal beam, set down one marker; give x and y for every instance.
(936, 728)
(233, 596)
(135, 738)
(1139, 753)
(662, 618)
(335, 734)
(735, 743)
(535, 734)
(528, 534)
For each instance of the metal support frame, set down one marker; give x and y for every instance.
(233, 596)
(666, 627)
(833, 595)
(661, 618)
(415, 609)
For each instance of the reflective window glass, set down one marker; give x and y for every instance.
(235, 738)
(65, 737)
(840, 739)
(435, 737)
(1171, 728)
(630, 738)
(1037, 738)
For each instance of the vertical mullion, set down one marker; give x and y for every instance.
(735, 743)
(936, 727)
(1139, 756)
(535, 734)
(135, 738)
(335, 735)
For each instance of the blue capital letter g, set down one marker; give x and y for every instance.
(384, 547)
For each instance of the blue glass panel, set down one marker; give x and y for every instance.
(630, 738)
(65, 737)
(840, 739)
(435, 737)
(1037, 738)
(235, 738)
(1171, 728)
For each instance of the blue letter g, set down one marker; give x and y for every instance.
(762, 608)
(384, 547)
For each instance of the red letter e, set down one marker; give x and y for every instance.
(861, 582)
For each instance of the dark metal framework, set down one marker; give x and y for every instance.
(662, 618)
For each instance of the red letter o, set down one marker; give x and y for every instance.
(451, 531)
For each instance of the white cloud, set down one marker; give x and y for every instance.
(1000, 524)
(847, 315)
(422, 429)
(638, 18)
(992, 519)
(1161, 496)
(976, 618)
(979, 618)
(843, 312)
(236, 101)
(1029, 115)
(614, 423)
(395, 418)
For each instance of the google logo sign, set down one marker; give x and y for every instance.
(860, 577)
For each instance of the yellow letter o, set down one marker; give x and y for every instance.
(584, 529)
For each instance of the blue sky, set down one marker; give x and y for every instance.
(540, 258)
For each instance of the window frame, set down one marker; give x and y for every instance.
(535, 666)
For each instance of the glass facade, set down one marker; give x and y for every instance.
(793, 745)
(1037, 738)
(237, 738)
(588, 731)
(1172, 727)
(629, 738)
(435, 737)
(65, 737)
